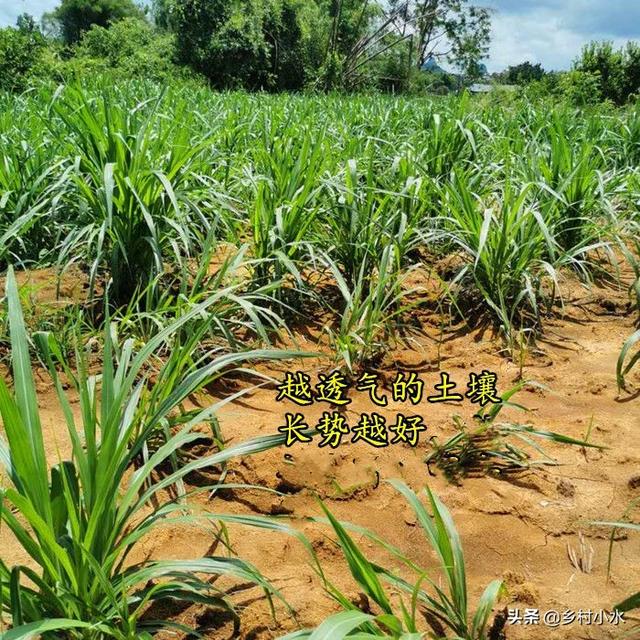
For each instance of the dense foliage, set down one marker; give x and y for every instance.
(616, 74)
(254, 45)
(204, 225)
(20, 52)
(523, 73)
(274, 45)
(292, 45)
(74, 17)
(131, 182)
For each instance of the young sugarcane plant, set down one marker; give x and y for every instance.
(627, 360)
(445, 609)
(373, 309)
(134, 213)
(631, 603)
(79, 521)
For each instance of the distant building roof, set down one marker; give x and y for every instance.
(480, 88)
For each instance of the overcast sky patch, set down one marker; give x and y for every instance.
(553, 32)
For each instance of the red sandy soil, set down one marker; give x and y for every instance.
(517, 528)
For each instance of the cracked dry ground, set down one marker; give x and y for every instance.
(517, 529)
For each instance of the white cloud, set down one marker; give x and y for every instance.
(553, 32)
(538, 38)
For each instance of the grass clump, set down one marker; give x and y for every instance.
(132, 206)
(495, 448)
(417, 609)
(79, 521)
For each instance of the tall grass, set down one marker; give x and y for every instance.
(157, 173)
(79, 520)
(371, 316)
(32, 188)
(632, 602)
(132, 167)
(504, 243)
(194, 213)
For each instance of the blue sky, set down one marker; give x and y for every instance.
(548, 31)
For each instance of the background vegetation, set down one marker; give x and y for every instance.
(294, 45)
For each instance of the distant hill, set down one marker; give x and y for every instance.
(432, 66)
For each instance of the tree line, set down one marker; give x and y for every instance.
(293, 45)
(271, 45)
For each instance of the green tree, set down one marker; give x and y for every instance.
(551, 85)
(346, 26)
(26, 23)
(131, 46)
(386, 43)
(632, 69)
(524, 73)
(456, 29)
(160, 13)
(74, 17)
(416, 31)
(618, 70)
(599, 59)
(20, 51)
(351, 21)
(582, 88)
(255, 44)
(283, 33)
